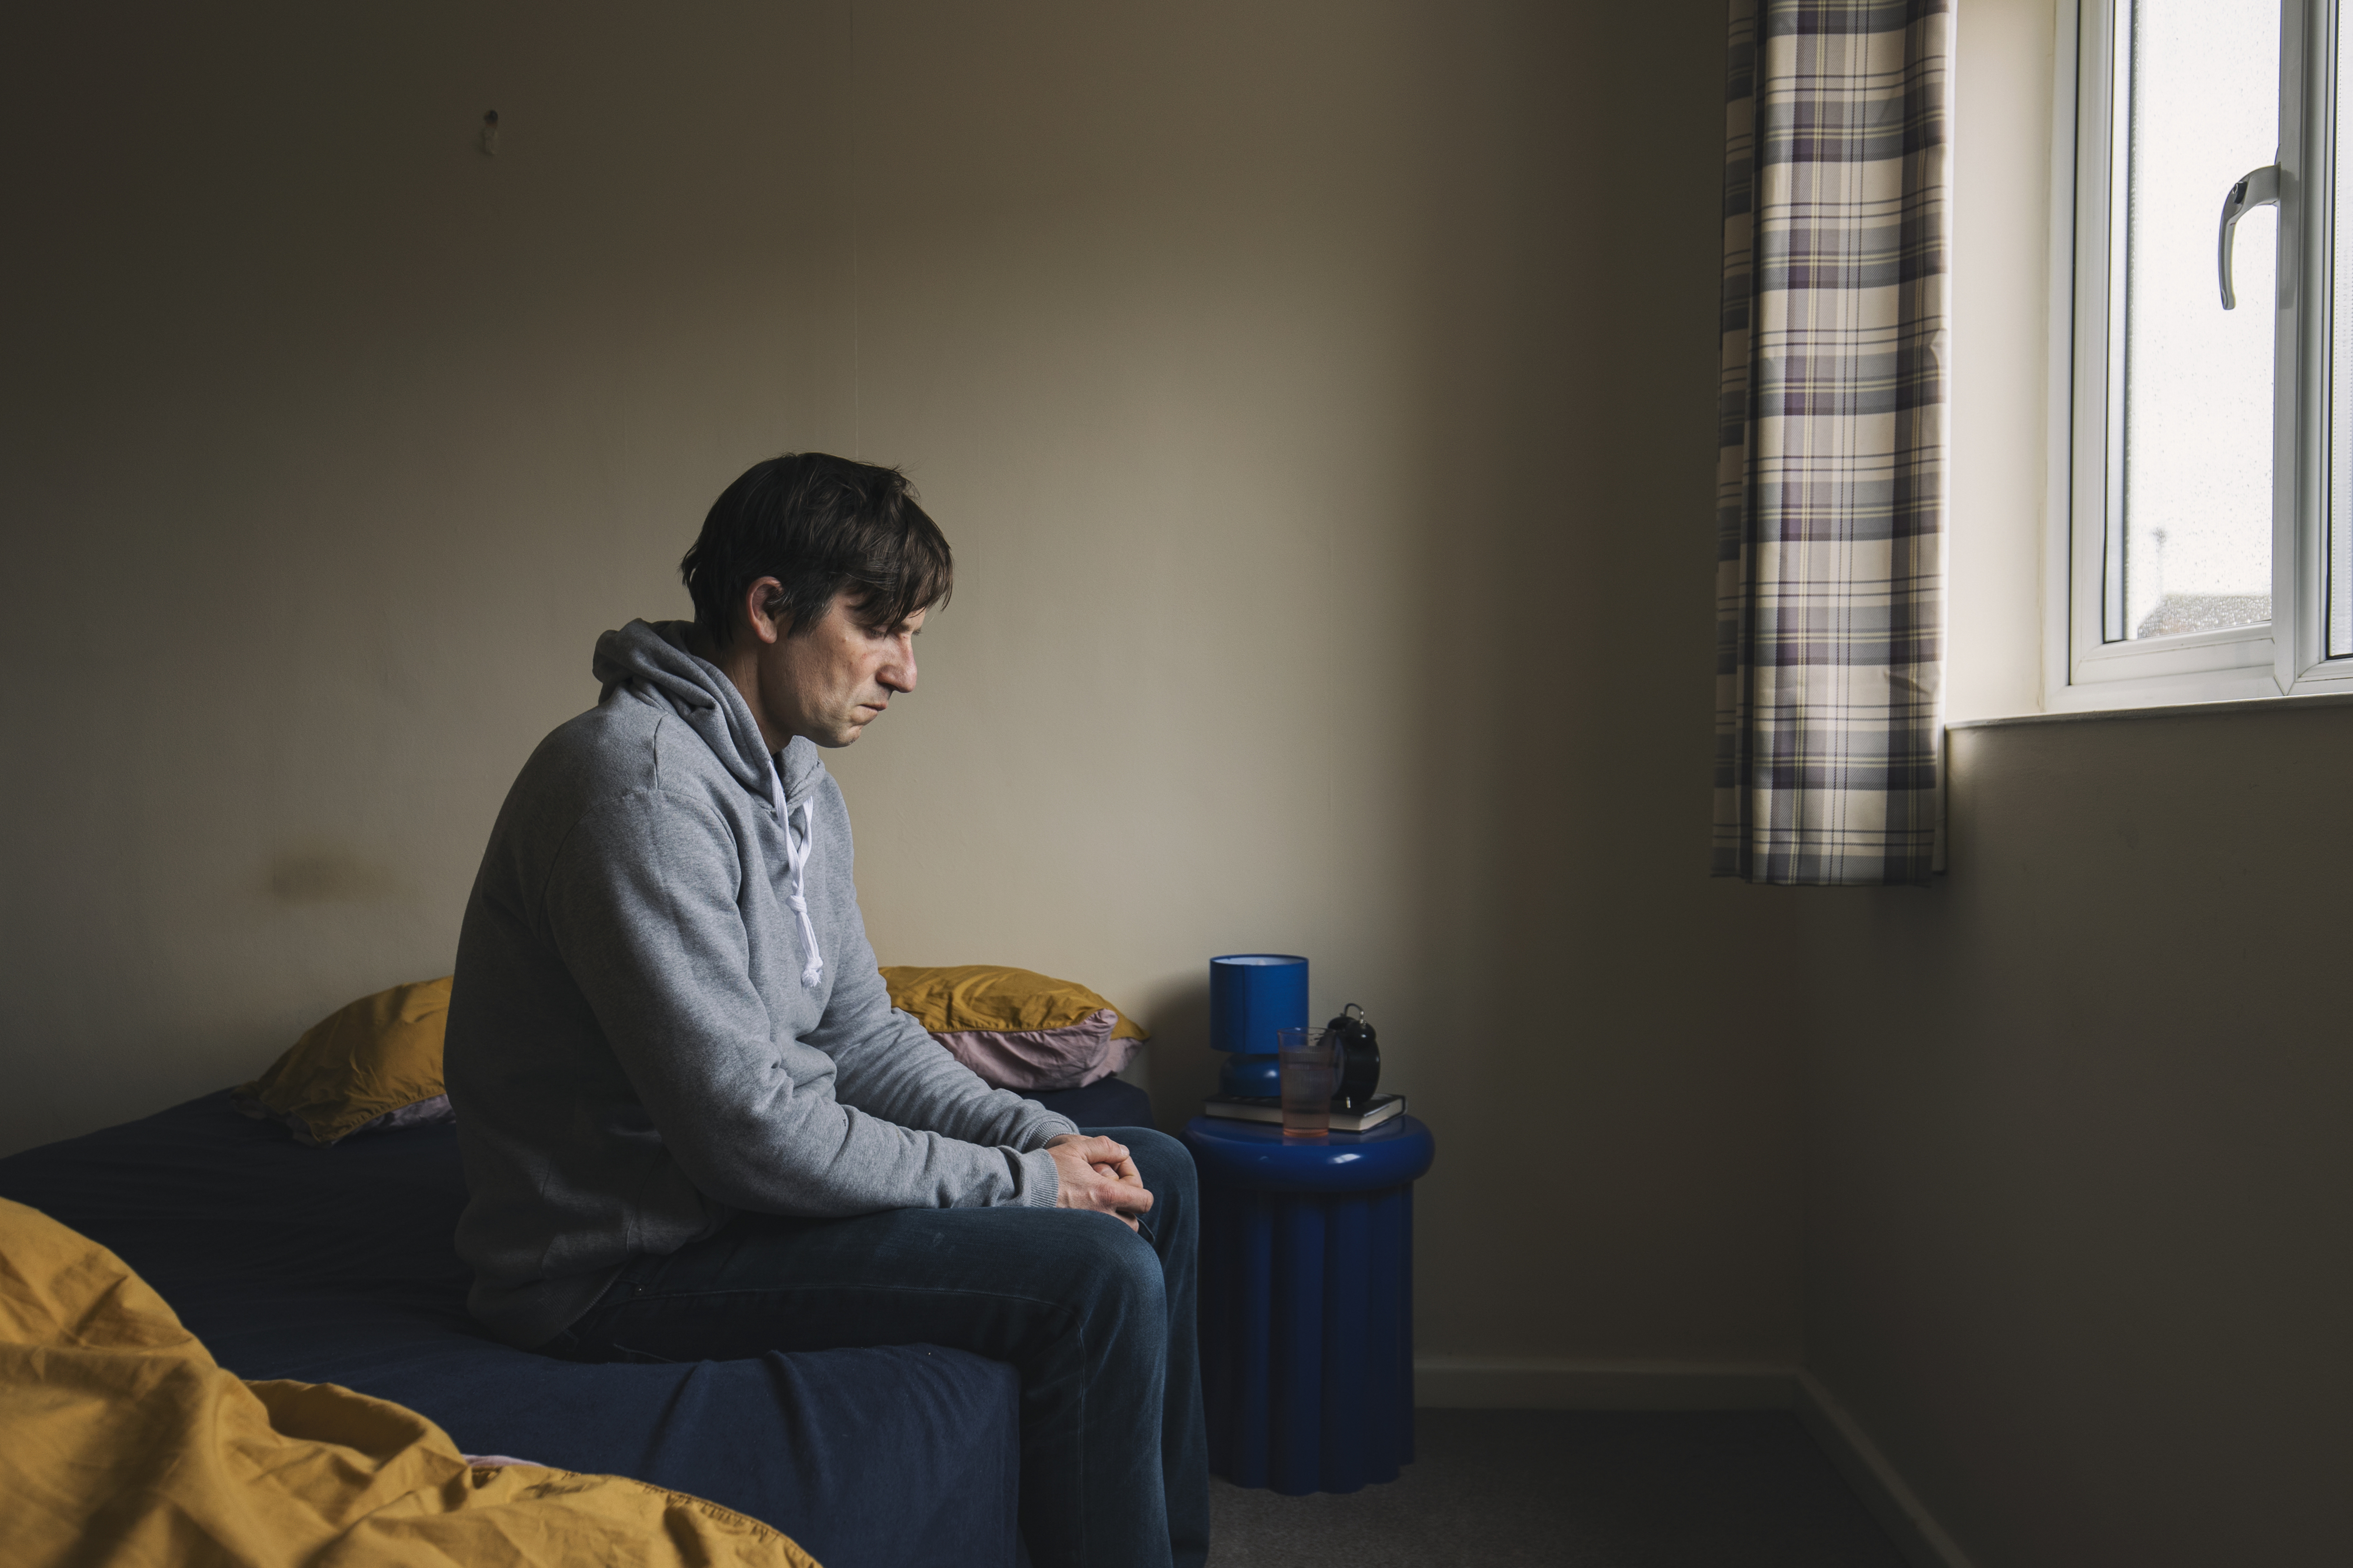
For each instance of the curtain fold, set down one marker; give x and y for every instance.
(1831, 470)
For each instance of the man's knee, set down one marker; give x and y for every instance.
(1111, 1273)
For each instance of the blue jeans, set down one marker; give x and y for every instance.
(1098, 1318)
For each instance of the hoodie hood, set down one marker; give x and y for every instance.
(650, 658)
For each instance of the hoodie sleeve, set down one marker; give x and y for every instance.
(892, 1066)
(640, 905)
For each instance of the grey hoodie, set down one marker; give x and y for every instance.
(634, 1052)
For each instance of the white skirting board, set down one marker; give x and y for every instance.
(1897, 1508)
(1462, 1383)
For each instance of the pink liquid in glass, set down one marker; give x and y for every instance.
(1310, 1072)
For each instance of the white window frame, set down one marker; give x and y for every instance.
(2287, 658)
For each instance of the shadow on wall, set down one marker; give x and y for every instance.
(1181, 1071)
(328, 875)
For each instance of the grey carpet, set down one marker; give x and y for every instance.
(1503, 1489)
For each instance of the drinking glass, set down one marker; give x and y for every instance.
(1311, 1075)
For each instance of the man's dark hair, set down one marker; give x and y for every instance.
(820, 525)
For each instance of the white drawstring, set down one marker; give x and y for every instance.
(796, 855)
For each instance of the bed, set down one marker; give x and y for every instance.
(335, 1265)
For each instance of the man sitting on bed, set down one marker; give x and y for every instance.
(694, 1128)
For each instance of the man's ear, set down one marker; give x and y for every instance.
(764, 604)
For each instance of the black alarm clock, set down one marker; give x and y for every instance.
(1360, 1057)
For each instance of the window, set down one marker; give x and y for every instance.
(2207, 544)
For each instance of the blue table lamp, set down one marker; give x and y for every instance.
(1251, 995)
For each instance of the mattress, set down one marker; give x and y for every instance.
(335, 1265)
(1106, 1103)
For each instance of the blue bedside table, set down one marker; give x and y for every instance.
(1307, 1301)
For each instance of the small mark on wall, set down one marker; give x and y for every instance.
(328, 876)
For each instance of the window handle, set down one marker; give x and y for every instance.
(2260, 188)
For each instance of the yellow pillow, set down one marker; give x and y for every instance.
(992, 998)
(379, 1057)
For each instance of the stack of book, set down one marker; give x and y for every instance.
(1370, 1111)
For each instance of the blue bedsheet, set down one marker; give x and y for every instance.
(335, 1265)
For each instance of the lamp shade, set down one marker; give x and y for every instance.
(1251, 995)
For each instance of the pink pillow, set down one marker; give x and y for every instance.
(1069, 1057)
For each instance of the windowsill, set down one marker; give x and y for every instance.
(2161, 710)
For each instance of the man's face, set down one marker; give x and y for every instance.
(830, 684)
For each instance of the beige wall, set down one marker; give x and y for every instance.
(331, 443)
(2078, 1177)
(2079, 1184)
(1317, 401)
(1318, 457)
(1316, 395)
(2000, 351)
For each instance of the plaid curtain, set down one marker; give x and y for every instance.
(1831, 472)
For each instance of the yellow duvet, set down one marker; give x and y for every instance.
(123, 1442)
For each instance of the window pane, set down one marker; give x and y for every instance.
(2195, 549)
(2340, 378)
